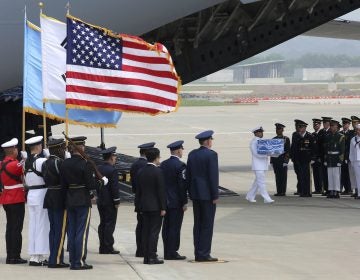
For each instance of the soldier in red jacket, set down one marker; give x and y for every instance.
(13, 200)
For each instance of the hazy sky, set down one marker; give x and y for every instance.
(355, 15)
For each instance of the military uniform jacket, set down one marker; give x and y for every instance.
(317, 148)
(109, 194)
(349, 134)
(55, 195)
(302, 148)
(150, 190)
(321, 140)
(174, 173)
(334, 147)
(354, 155)
(202, 174)
(135, 167)
(78, 178)
(283, 158)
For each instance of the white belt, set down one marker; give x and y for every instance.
(18, 186)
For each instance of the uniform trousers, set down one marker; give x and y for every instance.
(171, 231)
(58, 223)
(334, 178)
(138, 233)
(303, 177)
(204, 215)
(345, 178)
(356, 169)
(151, 225)
(78, 232)
(352, 177)
(258, 186)
(39, 228)
(280, 177)
(296, 169)
(317, 176)
(108, 216)
(325, 178)
(14, 224)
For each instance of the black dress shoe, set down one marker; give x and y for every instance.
(155, 261)
(32, 263)
(113, 252)
(83, 267)
(58, 265)
(206, 259)
(296, 193)
(16, 261)
(175, 257)
(316, 192)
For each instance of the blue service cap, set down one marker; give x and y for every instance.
(205, 135)
(147, 145)
(176, 145)
(79, 140)
(55, 142)
(110, 150)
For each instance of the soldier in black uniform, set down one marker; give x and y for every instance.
(54, 202)
(334, 147)
(78, 178)
(345, 177)
(322, 134)
(295, 164)
(176, 199)
(317, 164)
(354, 121)
(280, 164)
(134, 170)
(108, 201)
(301, 152)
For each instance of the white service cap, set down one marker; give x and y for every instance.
(34, 140)
(13, 142)
(257, 129)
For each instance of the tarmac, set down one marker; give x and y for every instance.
(294, 238)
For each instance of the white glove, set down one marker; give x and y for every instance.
(67, 155)
(312, 162)
(105, 180)
(338, 164)
(24, 155)
(325, 163)
(345, 161)
(285, 164)
(46, 153)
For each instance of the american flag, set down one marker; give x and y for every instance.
(117, 72)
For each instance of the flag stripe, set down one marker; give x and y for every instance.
(163, 74)
(119, 80)
(120, 94)
(83, 99)
(156, 67)
(121, 87)
(123, 74)
(152, 60)
(145, 53)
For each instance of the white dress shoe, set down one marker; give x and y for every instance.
(251, 200)
(269, 201)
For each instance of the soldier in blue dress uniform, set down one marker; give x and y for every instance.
(317, 164)
(108, 202)
(78, 178)
(322, 135)
(202, 177)
(280, 163)
(345, 176)
(176, 200)
(134, 170)
(54, 202)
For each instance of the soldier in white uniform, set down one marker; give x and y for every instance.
(354, 156)
(260, 164)
(38, 217)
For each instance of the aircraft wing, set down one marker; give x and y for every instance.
(337, 29)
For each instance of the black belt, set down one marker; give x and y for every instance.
(36, 187)
(76, 186)
(54, 187)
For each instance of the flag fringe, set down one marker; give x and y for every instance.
(33, 26)
(56, 118)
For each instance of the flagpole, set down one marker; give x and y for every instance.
(102, 144)
(66, 123)
(23, 109)
(44, 123)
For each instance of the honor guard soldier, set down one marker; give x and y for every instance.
(176, 200)
(345, 186)
(301, 152)
(39, 225)
(12, 198)
(322, 135)
(295, 133)
(134, 170)
(54, 202)
(354, 157)
(78, 178)
(317, 164)
(151, 203)
(108, 202)
(259, 164)
(334, 147)
(280, 164)
(354, 122)
(202, 178)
